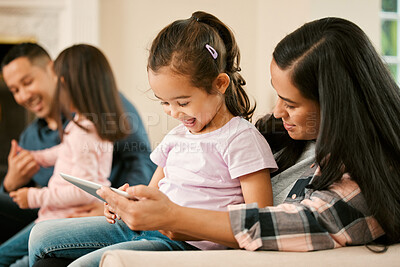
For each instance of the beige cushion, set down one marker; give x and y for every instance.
(348, 256)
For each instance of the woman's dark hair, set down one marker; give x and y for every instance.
(287, 150)
(182, 46)
(333, 62)
(86, 81)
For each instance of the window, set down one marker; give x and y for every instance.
(390, 18)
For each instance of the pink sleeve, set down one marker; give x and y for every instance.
(58, 197)
(91, 160)
(46, 157)
(35, 196)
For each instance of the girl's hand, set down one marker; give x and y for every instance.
(21, 197)
(109, 211)
(124, 187)
(153, 210)
(109, 214)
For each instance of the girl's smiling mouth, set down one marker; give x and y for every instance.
(189, 122)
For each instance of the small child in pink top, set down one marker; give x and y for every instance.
(86, 87)
(82, 153)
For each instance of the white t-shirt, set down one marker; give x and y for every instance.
(201, 170)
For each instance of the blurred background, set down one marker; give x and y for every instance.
(124, 29)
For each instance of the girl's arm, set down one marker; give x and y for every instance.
(46, 157)
(157, 176)
(89, 158)
(61, 194)
(256, 187)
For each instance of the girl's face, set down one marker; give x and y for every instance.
(300, 116)
(199, 111)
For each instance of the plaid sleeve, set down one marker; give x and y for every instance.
(322, 220)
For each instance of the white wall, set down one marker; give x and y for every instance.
(127, 28)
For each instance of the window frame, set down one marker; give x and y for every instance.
(392, 60)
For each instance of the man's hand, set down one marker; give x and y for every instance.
(21, 197)
(21, 167)
(92, 209)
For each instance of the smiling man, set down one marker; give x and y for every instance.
(32, 83)
(28, 73)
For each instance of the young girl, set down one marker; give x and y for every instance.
(87, 88)
(193, 69)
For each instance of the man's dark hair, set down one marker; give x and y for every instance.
(34, 52)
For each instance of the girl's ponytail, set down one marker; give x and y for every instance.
(236, 98)
(181, 45)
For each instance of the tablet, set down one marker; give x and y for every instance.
(92, 187)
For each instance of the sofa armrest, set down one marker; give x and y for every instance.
(347, 256)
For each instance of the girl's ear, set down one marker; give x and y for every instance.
(222, 82)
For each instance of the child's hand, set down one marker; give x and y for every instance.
(124, 187)
(21, 197)
(109, 214)
(108, 210)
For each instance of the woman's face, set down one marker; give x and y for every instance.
(300, 115)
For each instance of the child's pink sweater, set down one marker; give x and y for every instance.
(82, 154)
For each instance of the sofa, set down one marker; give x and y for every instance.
(346, 256)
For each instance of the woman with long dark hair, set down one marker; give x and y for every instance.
(332, 62)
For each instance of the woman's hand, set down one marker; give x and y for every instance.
(21, 197)
(152, 211)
